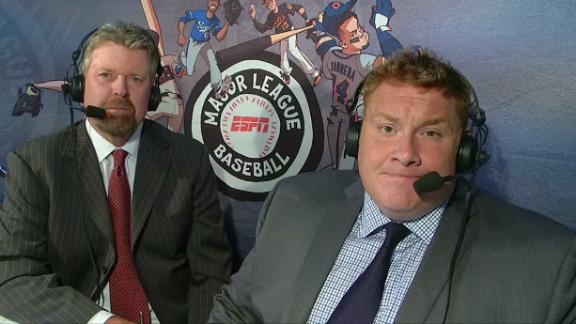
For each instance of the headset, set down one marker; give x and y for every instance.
(73, 87)
(471, 154)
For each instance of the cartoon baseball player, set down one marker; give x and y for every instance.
(172, 105)
(30, 99)
(279, 19)
(340, 40)
(205, 23)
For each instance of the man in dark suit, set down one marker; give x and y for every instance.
(463, 256)
(115, 219)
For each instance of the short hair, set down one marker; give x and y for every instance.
(423, 68)
(127, 34)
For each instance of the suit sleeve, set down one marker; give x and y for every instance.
(29, 291)
(563, 302)
(208, 249)
(233, 303)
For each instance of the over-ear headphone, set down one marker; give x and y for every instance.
(470, 154)
(355, 125)
(73, 87)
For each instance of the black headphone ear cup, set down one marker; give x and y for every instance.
(349, 105)
(467, 154)
(354, 127)
(155, 98)
(155, 94)
(76, 88)
(353, 138)
(353, 102)
(73, 87)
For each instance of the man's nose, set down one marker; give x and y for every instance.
(120, 86)
(406, 152)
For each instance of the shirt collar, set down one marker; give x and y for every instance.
(104, 148)
(371, 218)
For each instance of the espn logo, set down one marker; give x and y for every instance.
(246, 124)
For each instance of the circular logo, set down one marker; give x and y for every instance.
(250, 119)
(260, 128)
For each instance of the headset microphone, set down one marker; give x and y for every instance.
(95, 112)
(89, 111)
(431, 181)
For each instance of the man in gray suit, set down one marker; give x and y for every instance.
(66, 253)
(468, 257)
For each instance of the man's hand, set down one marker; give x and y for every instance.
(381, 14)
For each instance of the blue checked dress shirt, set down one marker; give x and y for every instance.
(358, 251)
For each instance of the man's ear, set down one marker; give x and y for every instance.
(342, 44)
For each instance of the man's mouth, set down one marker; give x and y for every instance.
(119, 110)
(402, 176)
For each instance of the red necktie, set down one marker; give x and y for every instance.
(127, 297)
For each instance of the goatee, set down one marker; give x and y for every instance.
(121, 126)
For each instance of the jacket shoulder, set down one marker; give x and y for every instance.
(45, 144)
(506, 219)
(322, 185)
(165, 133)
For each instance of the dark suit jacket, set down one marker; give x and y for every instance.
(514, 266)
(56, 237)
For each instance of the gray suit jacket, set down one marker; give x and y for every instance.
(56, 237)
(514, 266)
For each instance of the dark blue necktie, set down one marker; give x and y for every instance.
(361, 302)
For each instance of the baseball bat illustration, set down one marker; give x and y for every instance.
(252, 47)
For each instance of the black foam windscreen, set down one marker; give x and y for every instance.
(429, 182)
(95, 112)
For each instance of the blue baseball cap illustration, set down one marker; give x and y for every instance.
(335, 13)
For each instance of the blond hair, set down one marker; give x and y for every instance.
(126, 34)
(426, 70)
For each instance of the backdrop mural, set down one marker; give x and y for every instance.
(265, 84)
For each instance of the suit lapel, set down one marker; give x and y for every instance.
(339, 217)
(427, 290)
(86, 171)
(151, 170)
